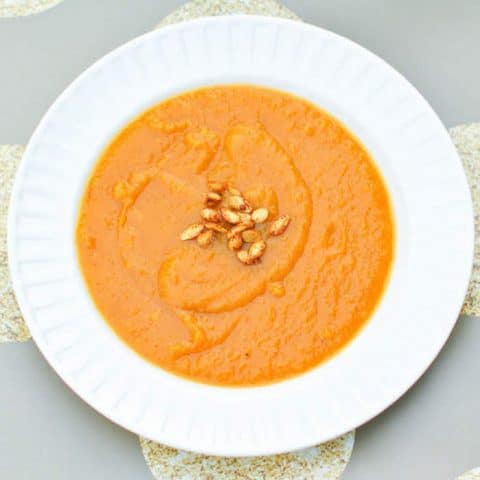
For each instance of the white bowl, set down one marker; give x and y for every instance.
(411, 147)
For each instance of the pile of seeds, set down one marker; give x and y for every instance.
(227, 212)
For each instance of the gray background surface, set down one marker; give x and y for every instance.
(433, 432)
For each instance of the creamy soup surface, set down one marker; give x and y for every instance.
(192, 303)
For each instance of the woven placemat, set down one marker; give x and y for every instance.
(324, 462)
(471, 475)
(466, 139)
(210, 8)
(22, 8)
(12, 326)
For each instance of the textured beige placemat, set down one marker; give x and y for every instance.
(472, 475)
(324, 462)
(209, 8)
(467, 141)
(12, 326)
(21, 8)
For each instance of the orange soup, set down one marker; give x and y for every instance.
(235, 235)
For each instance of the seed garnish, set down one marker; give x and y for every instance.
(191, 232)
(279, 225)
(257, 249)
(210, 215)
(260, 215)
(212, 199)
(235, 243)
(226, 212)
(206, 238)
(230, 216)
